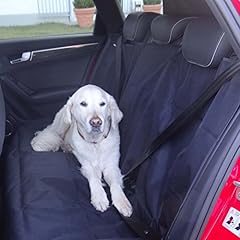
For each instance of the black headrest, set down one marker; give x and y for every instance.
(137, 25)
(167, 29)
(205, 43)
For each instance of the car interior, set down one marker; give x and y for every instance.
(155, 66)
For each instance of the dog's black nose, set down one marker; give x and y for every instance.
(95, 122)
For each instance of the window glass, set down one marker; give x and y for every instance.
(129, 6)
(29, 18)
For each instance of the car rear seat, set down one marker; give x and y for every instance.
(47, 198)
(35, 188)
(136, 32)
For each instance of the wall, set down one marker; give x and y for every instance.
(16, 7)
(30, 12)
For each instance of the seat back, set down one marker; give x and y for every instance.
(164, 47)
(135, 33)
(164, 179)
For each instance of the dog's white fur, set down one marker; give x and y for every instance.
(97, 151)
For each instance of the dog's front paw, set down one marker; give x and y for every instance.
(100, 201)
(122, 204)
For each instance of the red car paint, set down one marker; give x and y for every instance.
(236, 4)
(214, 229)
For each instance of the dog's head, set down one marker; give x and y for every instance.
(94, 110)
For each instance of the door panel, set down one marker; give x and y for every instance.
(40, 86)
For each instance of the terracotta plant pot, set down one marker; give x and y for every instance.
(84, 16)
(152, 8)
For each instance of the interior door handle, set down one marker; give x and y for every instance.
(26, 56)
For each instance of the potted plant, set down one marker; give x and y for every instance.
(152, 6)
(84, 11)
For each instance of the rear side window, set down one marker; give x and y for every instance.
(34, 18)
(129, 6)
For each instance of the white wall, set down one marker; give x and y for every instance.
(14, 7)
(129, 6)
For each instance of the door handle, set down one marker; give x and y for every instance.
(236, 183)
(26, 56)
(237, 194)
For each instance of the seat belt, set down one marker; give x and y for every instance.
(186, 117)
(119, 57)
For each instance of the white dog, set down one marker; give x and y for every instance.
(88, 127)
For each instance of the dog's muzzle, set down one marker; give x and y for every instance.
(96, 124)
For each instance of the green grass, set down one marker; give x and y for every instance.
(43, 29)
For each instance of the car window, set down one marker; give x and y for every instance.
(129, 6)
(31, 18)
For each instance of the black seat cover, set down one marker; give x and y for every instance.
(136, 31)
(2, 120)
(164, 180)
(46, 197)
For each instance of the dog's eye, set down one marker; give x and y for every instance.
(102, 104)
(84, 104)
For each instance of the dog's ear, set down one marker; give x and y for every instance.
(116, 114)
(67, 116)
(62, 120)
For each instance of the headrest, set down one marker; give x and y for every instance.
(167, 29)
(205, 43)
(136, 26)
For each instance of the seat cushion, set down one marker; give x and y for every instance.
(48, 198)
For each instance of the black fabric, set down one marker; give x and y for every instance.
(2, 137)
(207, 51)
(61, 193)
(55, 200)
(186, 116)
(154, 178)
(46, 196)
(186, 7)
(120, 54)
(154, 104)
(184, 170)
(184, 119)
(105, 77)
(141, 229)
(2, 120)
(119, 60)
(207, 168)
(166, 29)
(136, 26)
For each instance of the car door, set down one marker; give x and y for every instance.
(42, 72)
(58, 66)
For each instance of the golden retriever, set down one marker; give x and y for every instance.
(87, 126)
